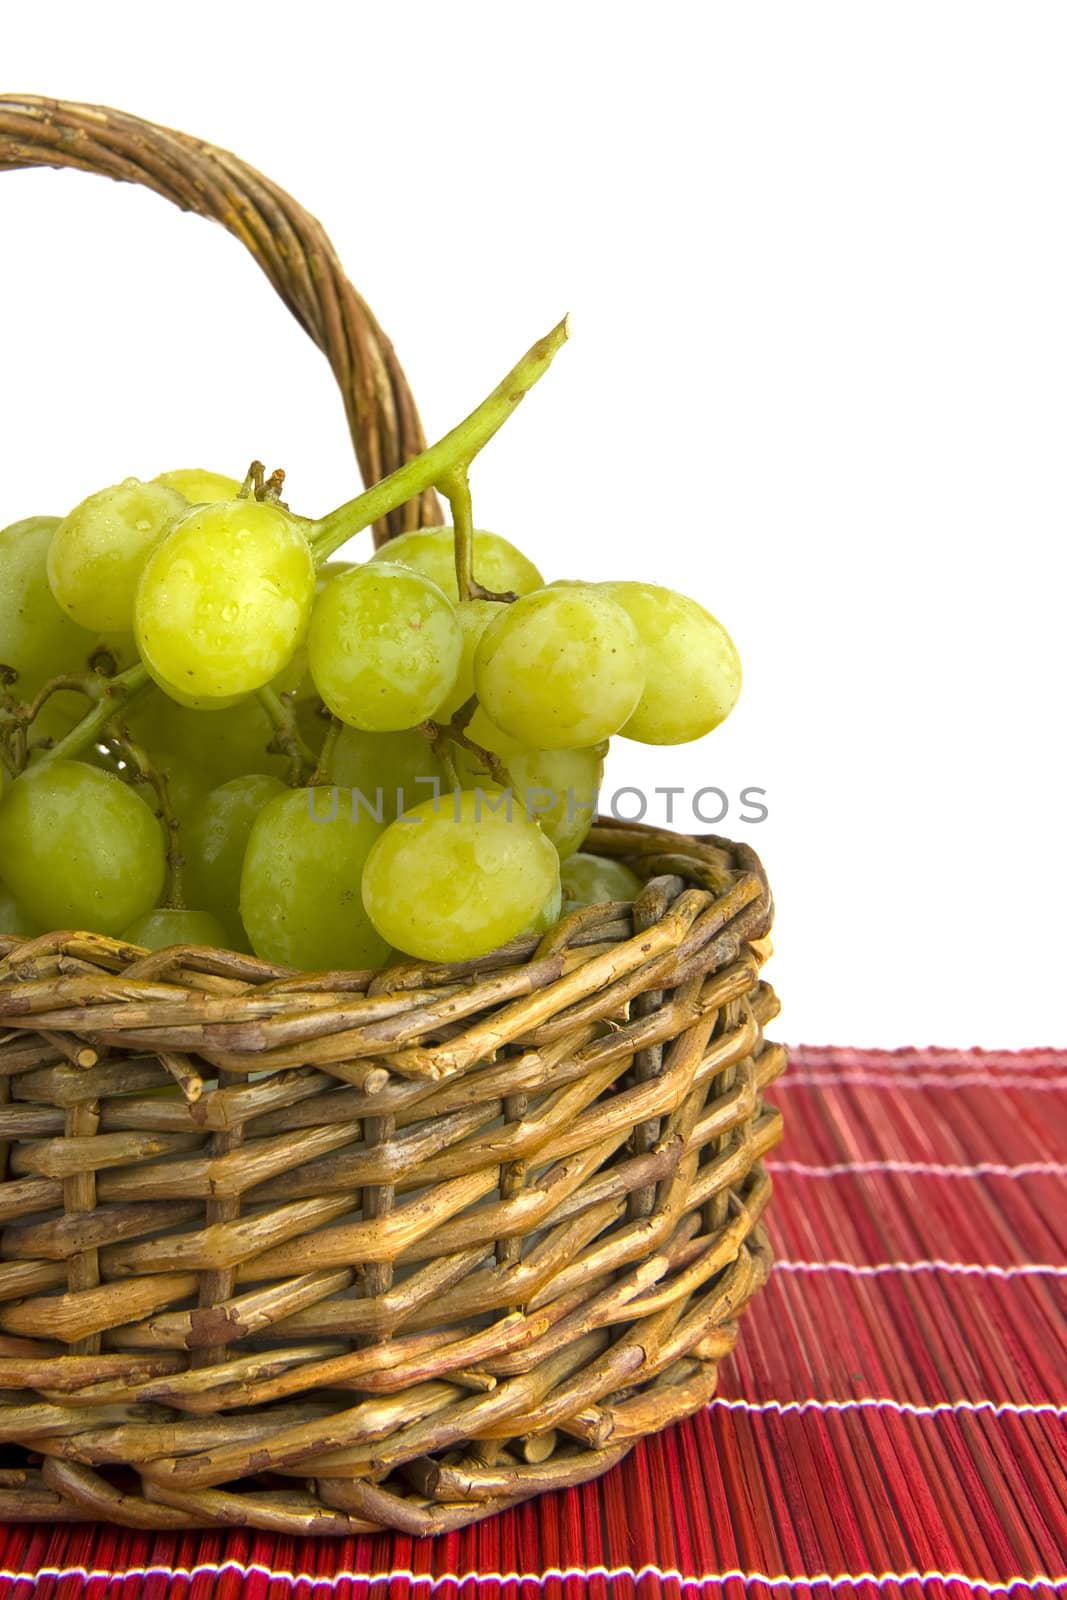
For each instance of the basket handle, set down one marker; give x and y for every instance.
(289, 244)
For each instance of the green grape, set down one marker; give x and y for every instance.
(80, 849)
(330, 570)
(561, 669)
(98, 552)
(485, 733)
(13, 918)
(402, 766)
(296, 679)
(300, 883)
(588, 880)
(556, 788)
(214, 841)
(474, 616)
(217, 744)
(158, 930)
(452, 880)
(692, 669)
(37, 638)
(200, 487)
(384, 647)
(548, 915)
(559, 789)
(432, 551)
(224, 601)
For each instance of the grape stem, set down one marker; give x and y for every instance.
(287, 737)
(32, 709)
(436, 465)
(257, 486)
(323, 769)
(111, 695)
(438, 738)
(143, 772)
(489, 759)
(12, 743)
(14, 748)
(455, 486)
(440, 734)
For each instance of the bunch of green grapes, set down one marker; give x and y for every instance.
(503, 707)
(328, 766)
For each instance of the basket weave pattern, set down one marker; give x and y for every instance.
(330, 1253)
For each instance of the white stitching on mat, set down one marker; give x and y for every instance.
(908, 1408)
(824, 1058)
(971, 1269)
(798, 1078)
(932, 1169)
(733, 1574)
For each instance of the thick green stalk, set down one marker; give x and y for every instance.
(456, 450)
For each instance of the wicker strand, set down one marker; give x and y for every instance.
(79, 1197)
(216, 1285)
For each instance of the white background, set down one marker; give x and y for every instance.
(817, 260)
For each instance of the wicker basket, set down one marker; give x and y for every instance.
(332, 1253)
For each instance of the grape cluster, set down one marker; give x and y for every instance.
(213, 736)
(211, 733)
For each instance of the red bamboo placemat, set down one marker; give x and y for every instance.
(895, 1420)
